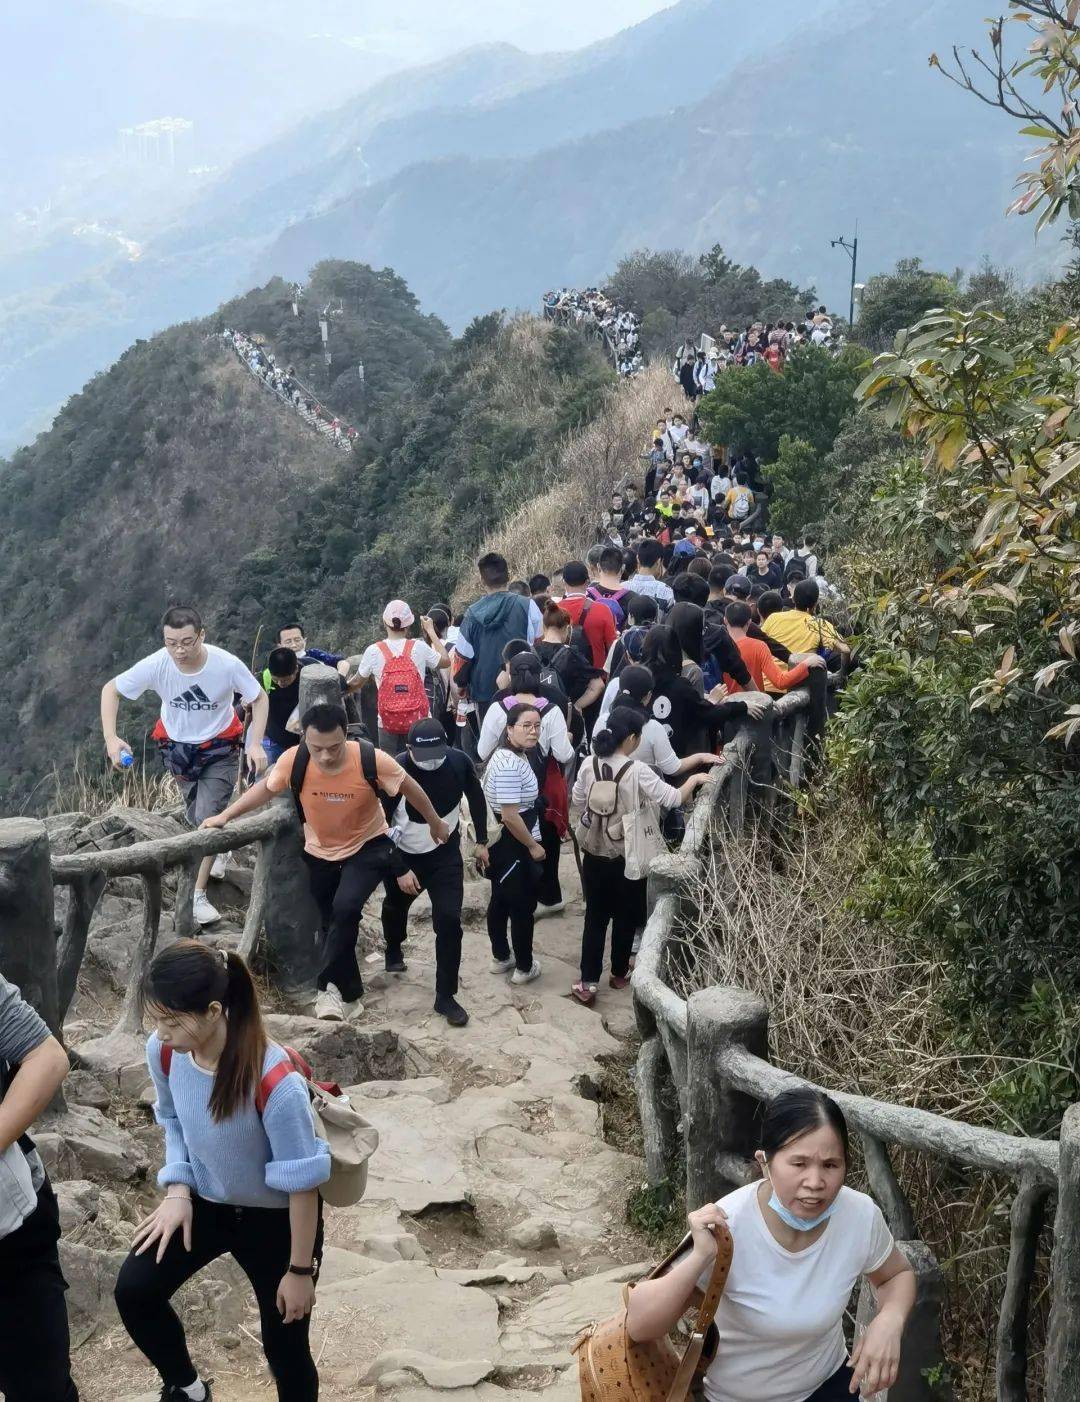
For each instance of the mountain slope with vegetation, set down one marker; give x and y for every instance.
(176, 477)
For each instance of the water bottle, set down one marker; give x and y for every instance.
(127, 759)
(461, 713)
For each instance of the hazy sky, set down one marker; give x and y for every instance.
(533, 24)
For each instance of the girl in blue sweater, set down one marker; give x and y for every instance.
(236, 1181)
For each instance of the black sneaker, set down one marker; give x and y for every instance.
(177, 1394)
(396, 965)
(448, 1007)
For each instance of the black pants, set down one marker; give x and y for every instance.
(549, 891)
(515, 879)
(610, 899)
(834, 1389)
(442, 874)
(341, 890)
(34, 1340)
(259, 1241)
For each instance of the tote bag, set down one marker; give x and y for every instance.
(642, 838)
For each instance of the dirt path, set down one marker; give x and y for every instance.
(494, 1222)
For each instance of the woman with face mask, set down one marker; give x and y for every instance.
(446, 776)
(803, 1240)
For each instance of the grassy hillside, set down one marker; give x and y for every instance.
(175, 477)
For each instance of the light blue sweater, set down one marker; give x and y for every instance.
(247, 1160)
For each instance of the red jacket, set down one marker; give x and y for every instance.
(599, 625)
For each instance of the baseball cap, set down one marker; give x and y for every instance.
(427, 739)
(738, 584)
(397, 614)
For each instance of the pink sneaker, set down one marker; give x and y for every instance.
(584, 993)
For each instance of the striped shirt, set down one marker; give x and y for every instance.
(509, 779)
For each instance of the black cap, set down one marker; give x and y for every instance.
(427, 739)
(738, 584)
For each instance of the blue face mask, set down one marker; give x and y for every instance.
(799, 1224)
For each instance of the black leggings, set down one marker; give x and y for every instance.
(834, 1389)
(341, 890)
(515, 879)
(259, 1241)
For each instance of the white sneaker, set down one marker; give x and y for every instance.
(220, 867)
(502, 966)
(329, 1004)
(203, 911)
(542, 910)
(518, 976)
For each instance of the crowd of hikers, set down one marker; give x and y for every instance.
(617, 327)
(281, 380)
(572, 713)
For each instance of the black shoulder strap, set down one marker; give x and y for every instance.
(296, 778)
(367, 763)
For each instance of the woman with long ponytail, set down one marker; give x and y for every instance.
(241, 1174)
(611, 897)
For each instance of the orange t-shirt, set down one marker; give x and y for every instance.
(341, 811)
(765, 669)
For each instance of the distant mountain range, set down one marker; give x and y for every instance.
(487, 177)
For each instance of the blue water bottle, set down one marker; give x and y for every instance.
(127, 759)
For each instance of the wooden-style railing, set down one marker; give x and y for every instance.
(703, 1073)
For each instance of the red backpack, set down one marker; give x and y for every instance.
(402, 698)
(276, 1073)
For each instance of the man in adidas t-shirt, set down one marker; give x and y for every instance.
(199, 732)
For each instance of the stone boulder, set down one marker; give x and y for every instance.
(346, 1052)
(82, 1143)
(91, 1276)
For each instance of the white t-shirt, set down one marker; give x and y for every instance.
(195, 706)
(780, 1318)
(373, 661)
(554, 736)
(655, 747)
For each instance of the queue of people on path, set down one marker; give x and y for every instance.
(758, 343)
(281, 380)
(617, 327)
(546, 700)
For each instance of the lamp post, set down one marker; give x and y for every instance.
(852, 251)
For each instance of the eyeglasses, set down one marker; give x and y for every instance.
(181, 644)
(530, 726)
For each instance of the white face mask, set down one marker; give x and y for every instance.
(429, 763)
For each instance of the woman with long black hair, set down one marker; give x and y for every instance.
(241, 1174)
(692, 721)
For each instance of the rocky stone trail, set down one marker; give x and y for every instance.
(494, 1221)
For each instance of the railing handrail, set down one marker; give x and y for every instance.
(903, 1125)
(156, 854)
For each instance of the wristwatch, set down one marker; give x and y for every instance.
(303, 1270)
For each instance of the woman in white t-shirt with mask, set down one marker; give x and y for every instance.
(802, 1242)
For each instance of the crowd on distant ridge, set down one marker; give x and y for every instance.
(282, 381)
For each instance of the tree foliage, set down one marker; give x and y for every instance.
(898, 299)
(752, 409)
(678, 296)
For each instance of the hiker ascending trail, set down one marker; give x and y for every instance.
(241, 1175)
(617, 798)
(399, 666)
(802, 1241)
(199, 732)
(336, 783)
(446, 776)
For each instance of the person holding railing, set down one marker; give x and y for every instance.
(199, 732)
(803, 1241)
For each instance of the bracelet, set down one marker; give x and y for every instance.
(302, 1270)
(177, 1197)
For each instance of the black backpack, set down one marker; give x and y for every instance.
(303, 758)
(551, 677)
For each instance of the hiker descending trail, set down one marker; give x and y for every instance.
(282, 382)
